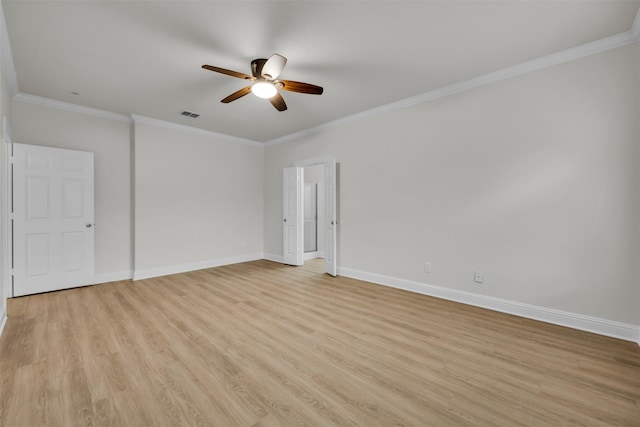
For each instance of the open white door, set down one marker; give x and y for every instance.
(52, 219)
(292, 228)
(330, 261)
(310, 209)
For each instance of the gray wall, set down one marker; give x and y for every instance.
(109, 141)
(533, 180)
(198, 198)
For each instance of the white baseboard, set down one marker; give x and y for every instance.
(201, 265)
(274, 258)
(310, 255)
(3, 321)
(113, 277)
(313, 255)
(595, 325)
(306, 256)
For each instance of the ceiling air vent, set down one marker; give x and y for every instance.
(189, 114)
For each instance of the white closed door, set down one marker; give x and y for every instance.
(53, 219)
(292, 224)
(331, 222)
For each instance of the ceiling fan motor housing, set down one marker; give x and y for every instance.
(256, 67)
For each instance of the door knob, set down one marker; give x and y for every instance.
(285, 220)
(89, 225)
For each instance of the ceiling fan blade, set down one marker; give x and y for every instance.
(278, 101)
(299, 87)
(237, 94)
(274, 66)
(228, 72)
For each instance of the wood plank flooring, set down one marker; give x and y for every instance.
(262, 344)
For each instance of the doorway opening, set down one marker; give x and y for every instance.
(313, 211)
(309, 207)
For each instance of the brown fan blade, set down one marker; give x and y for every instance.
(299, 87)
(278, 101)
(237, 94)
(228, 72)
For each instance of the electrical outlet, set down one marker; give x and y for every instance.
(427, 267)
(478, 277)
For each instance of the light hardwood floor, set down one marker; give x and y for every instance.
(262, 344)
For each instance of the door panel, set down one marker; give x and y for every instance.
(53, 219)
(73, 198)
(72, 249)
(38, 254)
(37, 203)
(330, 261)
(292, 222)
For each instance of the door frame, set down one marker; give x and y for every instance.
(7, 198)
(326, 161)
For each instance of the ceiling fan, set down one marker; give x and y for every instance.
(265, 83)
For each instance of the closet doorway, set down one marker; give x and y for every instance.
(313, 208)
(320, 232)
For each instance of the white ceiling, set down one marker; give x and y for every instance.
(145, 57)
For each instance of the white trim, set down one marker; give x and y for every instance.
(7, 195)
(3, 322)
(112, 277)
(39, 100)
(6, 56)
(595, 325)
(322, 160)
(546, 61)
(198, 131)
(133, 118)
(313, 255)
(635, 29)
(274, 258)
(192, 266)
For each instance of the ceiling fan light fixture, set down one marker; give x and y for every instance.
(264, 89)
(263, 83)
(274, 66)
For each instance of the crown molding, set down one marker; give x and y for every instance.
(39, 100)
(133, 118)
(6, 57)
(190, 129)
(598, 46)
(557, 58)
